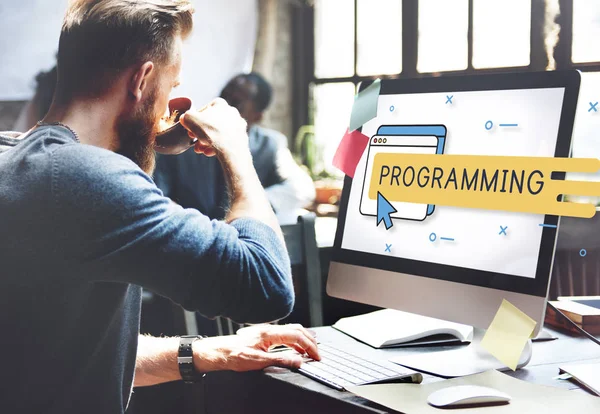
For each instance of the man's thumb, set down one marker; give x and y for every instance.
(192, 122)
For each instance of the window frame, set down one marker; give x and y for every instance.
(305, 59)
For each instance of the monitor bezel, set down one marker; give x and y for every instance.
(538, 286)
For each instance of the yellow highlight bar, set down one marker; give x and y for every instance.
(521, 184)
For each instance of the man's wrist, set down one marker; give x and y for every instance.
(208, 356)
(185, 358)
(235, 161)
(240, 173)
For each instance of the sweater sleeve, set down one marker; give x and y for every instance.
(119, 227)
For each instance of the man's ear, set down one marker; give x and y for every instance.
(139, 80)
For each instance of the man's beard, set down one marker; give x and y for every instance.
(137, 135)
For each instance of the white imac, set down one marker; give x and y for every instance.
(451, 263)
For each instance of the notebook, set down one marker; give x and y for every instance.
(591, 301)
(580, 311)
(586, 374)
(391, 328)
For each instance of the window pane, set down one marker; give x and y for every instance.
(443, 45)
(379, 37)
(586, 31)
(334, 38)
(501, 33)
(585, 130)
(332, 105)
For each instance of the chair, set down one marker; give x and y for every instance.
(301, 243)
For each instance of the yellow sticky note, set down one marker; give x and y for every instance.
(508, 333)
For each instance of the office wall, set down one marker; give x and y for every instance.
(222, 45)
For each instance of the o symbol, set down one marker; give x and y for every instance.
(432, 237)
(489, 125)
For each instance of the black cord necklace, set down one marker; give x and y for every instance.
(40, 123)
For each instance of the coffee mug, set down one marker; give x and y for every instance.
(175, 139)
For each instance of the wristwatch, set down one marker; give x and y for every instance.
(185, 358)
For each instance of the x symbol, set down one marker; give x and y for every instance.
(503, 230)
(449, 99)
(387, 247)
(593, 106)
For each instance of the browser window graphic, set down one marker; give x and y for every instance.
(408, 139)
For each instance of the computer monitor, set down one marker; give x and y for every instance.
(455, 263)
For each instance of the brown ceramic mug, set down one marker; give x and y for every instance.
(175, 139)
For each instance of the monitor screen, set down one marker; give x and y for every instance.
(489, 248)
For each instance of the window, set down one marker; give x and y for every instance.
(586, 31)
(501, 33)
(332, 108)
(379, 37)
(334, 38)
(443, 45)
(354, 40)
(357, 40)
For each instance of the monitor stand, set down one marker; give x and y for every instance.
(461, 361)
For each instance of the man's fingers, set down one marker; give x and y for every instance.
(202, 143)
(281, 359)
(192, 121)
(298, 349)
(210, 152)
(218, 101)
(202, 147)
(253, 359)
(293, 337)
(207, 151)
(311, 335)
(309, 346)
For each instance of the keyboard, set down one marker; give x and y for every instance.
(340, 369)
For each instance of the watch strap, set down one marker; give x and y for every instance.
(185, 358)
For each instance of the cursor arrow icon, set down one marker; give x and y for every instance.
(384, 209)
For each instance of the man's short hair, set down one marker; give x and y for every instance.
(263, 94)
(264, 91)
(101, 38)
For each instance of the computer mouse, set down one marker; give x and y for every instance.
(465, 395)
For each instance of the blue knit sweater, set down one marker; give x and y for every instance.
(82, 230)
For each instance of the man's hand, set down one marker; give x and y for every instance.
(219, 128)
(249, 349)
(221, 131)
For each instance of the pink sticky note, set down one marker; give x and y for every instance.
(348, 154)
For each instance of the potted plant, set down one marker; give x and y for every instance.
(309, 153)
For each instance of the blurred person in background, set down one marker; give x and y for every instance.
(38, 106)
(199, 182)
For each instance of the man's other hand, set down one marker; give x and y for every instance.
(219, 128)
(249, 349)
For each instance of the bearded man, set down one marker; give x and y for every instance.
(84, 228)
